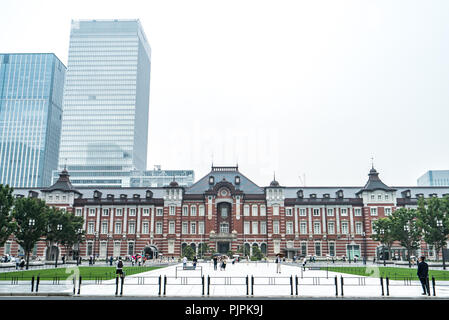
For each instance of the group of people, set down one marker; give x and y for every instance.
(222, 260)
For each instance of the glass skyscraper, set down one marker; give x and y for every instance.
(106, 101)
(31, 91)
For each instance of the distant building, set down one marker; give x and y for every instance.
(434, 178)
(31, 90)
(106, 102)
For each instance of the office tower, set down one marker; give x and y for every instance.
(106, 101)
(31, 91)
(434, 178)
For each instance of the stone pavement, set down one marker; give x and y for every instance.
(232, 283)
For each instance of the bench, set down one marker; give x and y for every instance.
(188, 268)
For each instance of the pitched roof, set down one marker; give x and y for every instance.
(374, 183)
(63, 184)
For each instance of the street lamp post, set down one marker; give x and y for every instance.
(59, 228)
(407, 229)
(349, 253)
(441, 228)
(31, 223)
(382, 232)
(79, 232)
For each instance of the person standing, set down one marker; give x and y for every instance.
(215, 262)
(278, 264)
(184, 262)
(423, 275)
(195, 260)
(304, 262)
(119, 268)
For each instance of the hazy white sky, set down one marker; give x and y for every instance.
(297, 87)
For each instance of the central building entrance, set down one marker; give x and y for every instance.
(223, 247)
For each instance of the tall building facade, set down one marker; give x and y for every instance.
(228, 212)
(31, 93)
(434, 178)
(106, 101)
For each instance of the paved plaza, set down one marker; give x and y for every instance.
(263, 281)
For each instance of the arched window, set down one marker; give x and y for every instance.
(263, 248)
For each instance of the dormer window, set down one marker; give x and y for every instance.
(420, 195)
(313, 195)
(136, 196)
(97, 194)
(340, 194)
(149, 194)
(211, 180)
(326, 196)
(300, 194)
(237, 180)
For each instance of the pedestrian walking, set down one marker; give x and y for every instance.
(63, 259)
(278, 263)
(91, 260)
(423, 275)
(215, 262)
(17, 263)
(22, 263)
(304, 262)
(184, 262)
(195, 260)
(119, 268)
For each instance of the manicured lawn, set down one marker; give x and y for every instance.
(390, 272)
(87, 273)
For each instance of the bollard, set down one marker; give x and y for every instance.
(382, 285)
(252, 285)
(342, 286)
(291, 285)
(202, 285)
(116, 285)
(79, 285)
(336, 286)
(208, 285)
(247, 285)
(32, 283)
(160, 285)
(165, 285)
(121, 288)
(433, 285)
(388, 286)
(296, 283)
(74, 285)
(37, 283)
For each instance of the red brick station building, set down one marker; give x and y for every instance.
(226, 210)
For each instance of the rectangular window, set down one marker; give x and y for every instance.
(78, 212)
(145, 228)
(288, 212)
(344, 212)
(316, 227)
(302, 212)
(344, 227)
(185, 228)
(132, 212)
(357, 212)
(373, 211)
(330, 212)
(132, 227)
(289, 226)
(316, 212)
(224, 227)
(185, 211)
(145, 212)
(276, 227)
(331, 227)
(159, 212)
(91, 212)
(255, 227)
(105, 212)
(246, 210)
(246, 227)
(358, 228)
(90, 228)
(118, 212)
(386, 197)
(192, 227)
(172, 210)
(304, 248)
(171, 227)
(104, 227)
(263, 211)
(118, 228)
(332, 249)
(254, 210)
(275, 210)
(263, 227)
(303, 227)
(379, 197)
(171, 246)
(158, 227)
(201, 227)
(201, 211)
(193, 211)
(131, 248)
(387, 211)
(318, 249)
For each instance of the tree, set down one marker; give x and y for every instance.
(31, 221)
(72, 232)
(57, 222)
(406, 230)
(257, 254)
(188, 252)
(434, 221)
(383, 232)
(7, 224)
(203, 249)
